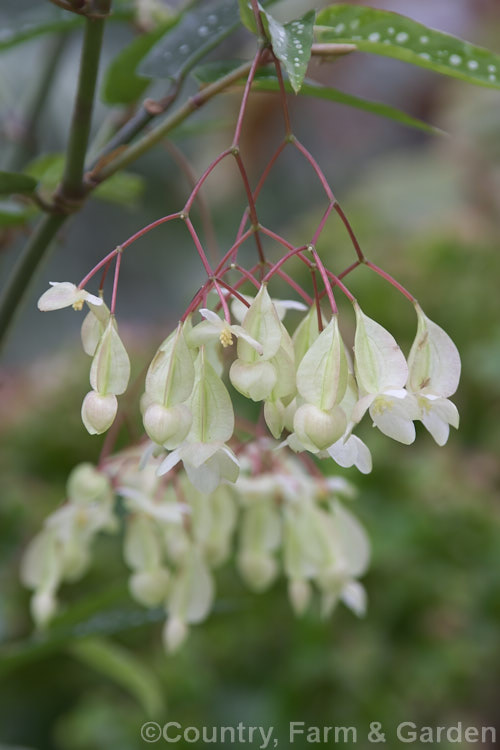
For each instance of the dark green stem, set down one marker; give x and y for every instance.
(72, 184)
(71, 191)
(26, 267)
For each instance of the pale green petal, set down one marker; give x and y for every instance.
(379, 362)
(352, 540)
(192, 591)
(211, 407)
(98, 412)
(254, 380)
(142, 548)
(274, 416)
(352, 452)
(110, 370)
(261, 322)
(170, 376)
(322, 373)
(321, 428)
(306, 333)
(434, 361)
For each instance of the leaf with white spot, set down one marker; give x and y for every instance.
(392, 35)
(292, 44)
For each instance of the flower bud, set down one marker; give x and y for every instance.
(258, 569)
(254, 380)
(317, 427)
(167, 425)
(149, 587)
(99, 412)
(87, 484)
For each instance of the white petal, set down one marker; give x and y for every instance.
(395, 419)
(352, 453)
(438, 428)
(361, 407)
(213, 318)
(62, 294)
(354, 596)
(168, 463)
(92, 299)
(240, 332)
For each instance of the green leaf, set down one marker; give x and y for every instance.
(13, 182)
(292, 44)
(14, 214)
(123, 188)
(198, 32)
(392, 35)
(27, 26)
(121, 83)
(124, 668)
(246, 15)
(265, 80)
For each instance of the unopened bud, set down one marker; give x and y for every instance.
(255, 381)
(321, 428)
(149, 587)
(99, 412)
(167, 425)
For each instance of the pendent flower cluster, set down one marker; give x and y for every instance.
(204, 482)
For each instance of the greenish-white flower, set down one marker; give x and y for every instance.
(65, 294)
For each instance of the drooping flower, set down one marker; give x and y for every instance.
(434, 374)
(65, 294)
(381, 374)
(214, 327)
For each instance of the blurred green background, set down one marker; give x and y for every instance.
(426, 209)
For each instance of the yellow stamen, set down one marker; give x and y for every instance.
(226, 337)
(78, 305)
(380, 404)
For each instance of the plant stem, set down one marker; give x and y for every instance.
(72, 187)
(26, 267)
(71, 190)
(155, 135)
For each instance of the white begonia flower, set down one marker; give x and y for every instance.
(350, 450)
(65, 294)
(352, 547)
(381, 373)
(281, 306)
(207, 460)
(214, 327)
(434, 374)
